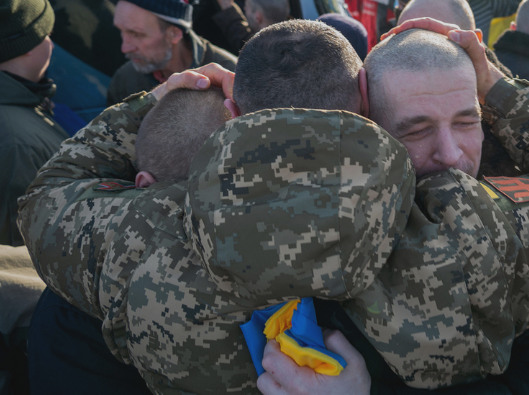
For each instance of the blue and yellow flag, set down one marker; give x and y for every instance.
(293, 325)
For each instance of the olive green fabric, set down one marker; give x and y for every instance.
(23, 26)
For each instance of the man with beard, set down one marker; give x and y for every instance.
(158, 41)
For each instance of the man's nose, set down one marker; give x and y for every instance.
(447, 151)
(127, 46)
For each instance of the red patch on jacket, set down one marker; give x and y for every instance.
(114, 186)
(515, 188)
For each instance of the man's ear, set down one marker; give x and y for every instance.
(362, 82)
(176, 34)
(232, 107)
(513, 26)
(259, 18)
(144, 179)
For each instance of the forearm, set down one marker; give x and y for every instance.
(506, 109)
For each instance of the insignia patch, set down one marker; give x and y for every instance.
(515, 188)
(491, 193)
(114, 186)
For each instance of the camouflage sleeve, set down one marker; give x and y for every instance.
(63, 220)
(446, 306)
(507, 111)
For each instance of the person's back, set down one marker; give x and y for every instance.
(512, 47)
(28, 134)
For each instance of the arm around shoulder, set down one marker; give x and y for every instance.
(506, 109)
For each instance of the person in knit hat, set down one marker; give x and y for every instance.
(28, 134)
(28, 138)
(158, 40)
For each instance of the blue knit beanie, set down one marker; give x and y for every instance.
(177, 12)
(353, 31)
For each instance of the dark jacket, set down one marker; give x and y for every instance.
(512, 49)
(28, 138)
(234, 26)
(495, 160)
(128, 81)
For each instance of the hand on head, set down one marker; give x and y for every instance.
(284, 377)
(200, 78)
(487, 73)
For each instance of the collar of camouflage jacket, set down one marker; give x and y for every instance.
(292, 202)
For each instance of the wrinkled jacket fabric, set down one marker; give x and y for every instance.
(124, 255)
(28, 138)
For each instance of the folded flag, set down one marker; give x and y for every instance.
(293, 325)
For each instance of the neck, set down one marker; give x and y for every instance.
(19, 67)
(181, 60)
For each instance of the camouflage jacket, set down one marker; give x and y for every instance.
(123, 255)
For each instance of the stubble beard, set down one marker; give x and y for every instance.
(147, 66)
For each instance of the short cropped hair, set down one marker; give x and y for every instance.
(298, 63)
(273, 10)
(175, 129)
(462, 14)
(412, 50)
(522, 17)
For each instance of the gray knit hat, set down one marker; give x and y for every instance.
(177, 12)
(23, 26)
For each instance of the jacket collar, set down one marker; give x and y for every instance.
(22, 92)
(199, 49)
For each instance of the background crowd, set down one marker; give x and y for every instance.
(62, 62)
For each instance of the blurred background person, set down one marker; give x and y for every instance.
(158, 40)
(239, 28)
(512, 47)
(487, 10)
(29, 136)
(352, 29)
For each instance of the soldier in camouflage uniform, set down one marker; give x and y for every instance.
(167, 310)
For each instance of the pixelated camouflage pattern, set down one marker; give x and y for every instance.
(290, 203)
(126, 259)
(443, 309)
(167, 319)
(507, 110)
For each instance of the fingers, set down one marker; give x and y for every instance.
(268, 386)
(422, 23)
(487, 74)
(283, 369)
(201, 78)
(220, 77)
(336, 342)
(188, 79)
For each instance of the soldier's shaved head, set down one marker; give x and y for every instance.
(423, 91)
(450, 11)
(302, 64)
(413, 50)
(175, 129)
(522, 17)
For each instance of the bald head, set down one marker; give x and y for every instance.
(457, 12)
(414, 51)
(522, 17)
